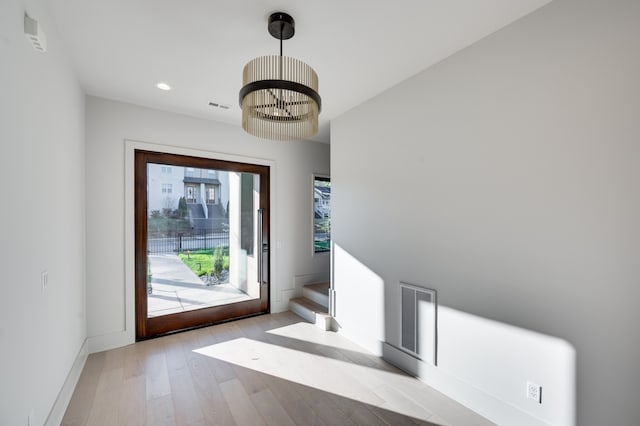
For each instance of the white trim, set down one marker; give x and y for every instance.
(64, 396)
(371, 344)
(485, 404)
(127, 336)
(332, 285)
(108, 341)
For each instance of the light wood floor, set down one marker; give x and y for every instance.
(273, 369)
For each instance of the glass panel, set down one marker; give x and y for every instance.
(201, 238)
(321, 214)
(211, 195)
(247, 212)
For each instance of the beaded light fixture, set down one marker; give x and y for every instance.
(279, 97)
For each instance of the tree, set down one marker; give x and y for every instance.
(182, 207)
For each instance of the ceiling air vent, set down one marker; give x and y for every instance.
(217, 105)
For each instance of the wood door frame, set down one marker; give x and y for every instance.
(157, 326)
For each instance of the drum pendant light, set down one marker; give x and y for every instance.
(279, 97)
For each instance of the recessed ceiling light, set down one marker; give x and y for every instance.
(163, 86)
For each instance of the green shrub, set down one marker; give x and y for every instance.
(218, 262)
(207, 260)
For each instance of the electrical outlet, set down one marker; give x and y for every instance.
(534, 391)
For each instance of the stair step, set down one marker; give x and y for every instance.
(319, 293)
(311, 311)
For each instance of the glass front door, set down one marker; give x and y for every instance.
(199, 259)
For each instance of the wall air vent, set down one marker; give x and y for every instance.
(418, 323)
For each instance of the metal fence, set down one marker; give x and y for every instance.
(193, 240)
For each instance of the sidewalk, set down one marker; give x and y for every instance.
(177, 289)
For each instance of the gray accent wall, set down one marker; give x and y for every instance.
(506, 178)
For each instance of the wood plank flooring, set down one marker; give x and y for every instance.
(268, 370)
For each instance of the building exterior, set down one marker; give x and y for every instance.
(206, 193)
(165, 187)
(321, 202)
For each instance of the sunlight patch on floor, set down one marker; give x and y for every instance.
(331, 375)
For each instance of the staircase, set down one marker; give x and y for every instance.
(195, 211)
(215, 211)
(313, 306)
(213, 220)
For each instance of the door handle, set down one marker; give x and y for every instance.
(260, 246)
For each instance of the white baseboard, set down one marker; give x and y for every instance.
(486, 405)
(371, 344)
(64, 396)
(110, 341)
(282, 306)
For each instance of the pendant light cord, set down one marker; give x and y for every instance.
(281, 31)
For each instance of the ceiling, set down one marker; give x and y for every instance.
(120, 49)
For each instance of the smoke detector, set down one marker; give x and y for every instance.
(33, 32)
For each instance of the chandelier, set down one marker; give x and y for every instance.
(279, 97)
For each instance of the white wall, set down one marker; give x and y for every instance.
(108, 125)
(506, 178)
(42, 175)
